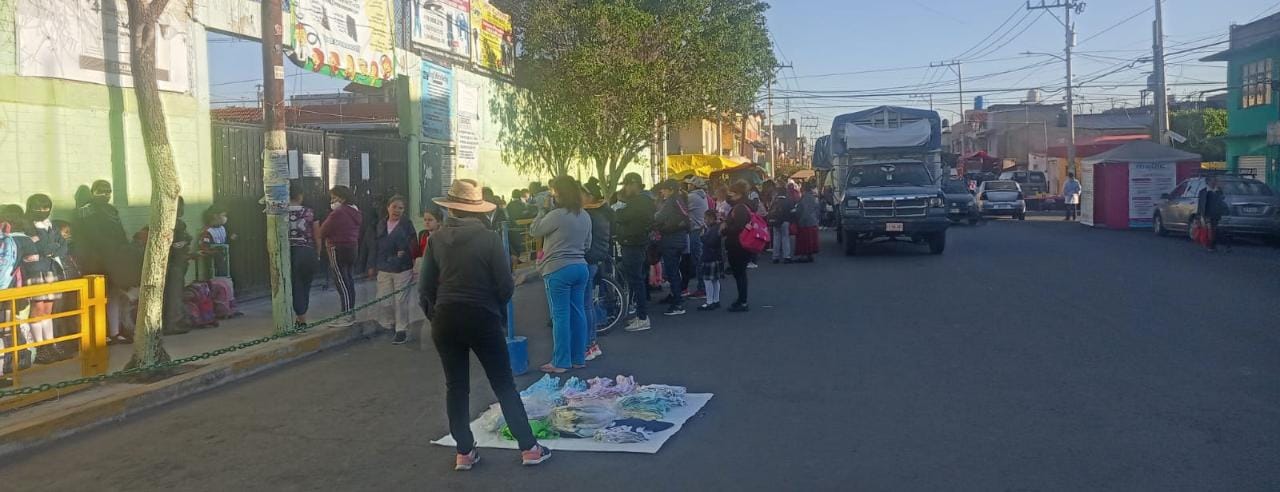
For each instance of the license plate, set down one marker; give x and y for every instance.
(955, 209)
(893, 227)
(1003, 205)
(1252, 210)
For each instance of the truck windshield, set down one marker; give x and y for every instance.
(899, 174)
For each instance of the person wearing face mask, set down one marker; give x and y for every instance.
(391, 261)
(340, 233)
(99, 245)
(215, 240)
(41, 267)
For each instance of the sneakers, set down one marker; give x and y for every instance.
(400, 338)
(638, 325)
(464, 462)
(752, 265)
(674, 310)
(709, 307)
(594, 351)
(535, 456)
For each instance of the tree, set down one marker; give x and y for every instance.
(143, 21)
(1204, 130)
(535, 138)
(610, 71)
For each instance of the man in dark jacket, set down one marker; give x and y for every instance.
(672, 221)
(633, 221)
(1211, 205)
(598, 257)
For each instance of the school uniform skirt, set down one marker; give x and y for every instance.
(807, 240)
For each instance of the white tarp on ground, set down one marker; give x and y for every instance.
(677, 416)
(912, 134)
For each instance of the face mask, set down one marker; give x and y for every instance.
(220, 221)
(101, 199)
(37, 216)
(335, 205)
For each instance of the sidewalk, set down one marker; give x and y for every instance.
(80, 410)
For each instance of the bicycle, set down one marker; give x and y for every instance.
(611, 297)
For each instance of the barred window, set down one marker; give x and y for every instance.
(1256, 82)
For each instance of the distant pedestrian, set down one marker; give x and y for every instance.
(304, 254)
(808, 218)
(673, 223)
(215, 241)
(566, 233)
(1211, 206)
(391, 262)
(711, 265)
(738, 256)
(699, 204)
(633, 216)
(43, 267)
(1071, 196)
(430, 224)
(782, 213)
(599, 257)
(341, 235)
(101, 247)
(465, 286)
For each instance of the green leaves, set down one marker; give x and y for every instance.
(1204, 130)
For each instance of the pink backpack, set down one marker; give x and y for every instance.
(755, 236)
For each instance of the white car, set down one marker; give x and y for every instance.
(1001, 198)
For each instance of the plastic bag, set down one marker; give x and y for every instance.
(541, 397)
(492, 420)
(582, 419)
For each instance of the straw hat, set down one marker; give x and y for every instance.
(465, 195)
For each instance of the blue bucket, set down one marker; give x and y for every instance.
(518, 349)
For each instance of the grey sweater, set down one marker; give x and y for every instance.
(566, 238)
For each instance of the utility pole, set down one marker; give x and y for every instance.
(1160, 132)
(954, 65)
(275, 170)
(1067, 7)
(773, 141)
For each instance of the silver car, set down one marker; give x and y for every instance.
(1253, 208)
(1001, 198)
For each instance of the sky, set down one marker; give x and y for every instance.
(882, 47)
(896, 40)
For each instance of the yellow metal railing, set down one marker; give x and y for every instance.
(90, 319)
(531, 244)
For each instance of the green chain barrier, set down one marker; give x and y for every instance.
(30, 390)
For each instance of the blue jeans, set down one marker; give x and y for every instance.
(635, 265)
(692, 279)
(568, 315)
(674, 246)
(589, 303)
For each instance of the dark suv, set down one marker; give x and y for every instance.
(892, 200)
(1254, 209)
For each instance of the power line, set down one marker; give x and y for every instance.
(1118, 24)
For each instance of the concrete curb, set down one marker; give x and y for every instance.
(49, 421)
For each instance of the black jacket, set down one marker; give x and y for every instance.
(601, 239)
(387, 247)
(465, 264)
(1211, 204)
(635, 220)
(673, 215)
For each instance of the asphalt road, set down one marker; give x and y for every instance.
(1031, 356)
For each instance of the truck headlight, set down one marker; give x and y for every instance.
(937, 202)
(853, 203)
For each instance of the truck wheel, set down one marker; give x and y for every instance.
(851, 246)
(938, 243)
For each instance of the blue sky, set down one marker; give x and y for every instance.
(820, 37)
(897, 39)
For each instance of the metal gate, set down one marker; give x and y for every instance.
(237, 185)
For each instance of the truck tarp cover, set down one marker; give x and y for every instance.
(822, 153)
(917, 130)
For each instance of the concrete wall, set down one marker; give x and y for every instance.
(58, 134)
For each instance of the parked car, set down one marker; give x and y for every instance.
(1002, 198)
(961, 204)
(1254, 208)
(1035, 187)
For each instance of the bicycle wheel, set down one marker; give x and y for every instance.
(610, 305)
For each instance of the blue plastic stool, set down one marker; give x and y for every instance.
(517, 347)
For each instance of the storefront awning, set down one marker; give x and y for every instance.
(702, 165)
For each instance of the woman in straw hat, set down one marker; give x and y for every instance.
(465, 286)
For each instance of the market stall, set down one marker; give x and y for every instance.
(1120, 187)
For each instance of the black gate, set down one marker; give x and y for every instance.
(237, 185)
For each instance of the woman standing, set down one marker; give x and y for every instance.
(466, 284)
(739, 217)
(807, 221)
(101, 247)
(43, 267)
(391, 260)
(341, 235)
(430, 224)
(565, 230)
(303, 254)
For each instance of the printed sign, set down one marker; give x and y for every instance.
(339, 172)
(348, 39)
(364, 166)
(443, 25)
(496, 48)
(311, 165)
(89, 42)
(468, 127)
(294, 168)
(437, 95)
(1086, 194)
(1147, 181)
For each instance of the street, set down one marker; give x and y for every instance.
(1036, 355)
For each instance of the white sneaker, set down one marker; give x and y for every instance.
(594, 351)
(753, 265)
(638, 325)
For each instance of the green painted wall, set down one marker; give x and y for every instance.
(1247, 127)
(58, 134)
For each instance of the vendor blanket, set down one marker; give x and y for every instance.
(677, 416)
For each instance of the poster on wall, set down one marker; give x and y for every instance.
(339, 172)
(311, 165)
(468, 127)
(1086, 194)
(437, 96)
(496, 50)
(347, 39)
(443, 25)
(1147, 181)
(89, 42)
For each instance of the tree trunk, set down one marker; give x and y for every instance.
(148, 346)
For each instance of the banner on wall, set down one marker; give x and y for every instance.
(347, 39)
(437, 97)
(443, 25)
(1147, 181)
(89, 42)
(468, 127)
(1087, 190)
(496, 51)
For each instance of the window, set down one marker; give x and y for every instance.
(1256, 84)
(1179, 191)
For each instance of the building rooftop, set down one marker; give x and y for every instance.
(1264, 31)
